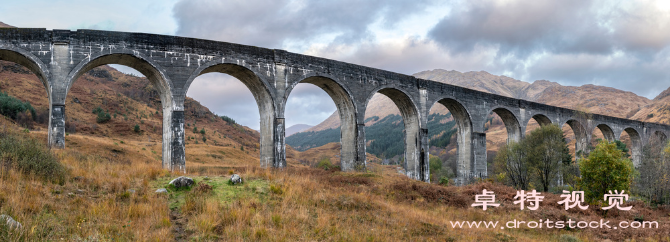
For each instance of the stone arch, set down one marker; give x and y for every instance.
(581, 136)
(156, 77)
(658, 136)
(465, 163)
(264, 100)
(511, 123)
(410, 115)
(541, 119)
(28, 60)
(636, 145)
(607, 132)
(348, 113)
(144, 65)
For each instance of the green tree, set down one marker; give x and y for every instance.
(622, 147)
(435, 166)
(202, 131)
(537, 159)
(195, 129)
(603, 170)
(546, 154)
(103, 117)
(511, 165)
(136, 128)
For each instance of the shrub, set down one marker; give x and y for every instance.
(136, 128)
(444, 181)
(603, 170)
(30, 157)
(103, 117)
(11, 107)
(324, 163)
(202, 131)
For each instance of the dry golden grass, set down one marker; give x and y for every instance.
(298, 203)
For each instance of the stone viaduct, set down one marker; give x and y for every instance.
(59, 57)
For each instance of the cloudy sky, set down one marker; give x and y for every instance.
(622, 44)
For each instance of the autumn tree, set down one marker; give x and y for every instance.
(603, 170)
(538, 159)
(547, 153)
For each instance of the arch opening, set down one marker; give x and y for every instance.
(23, 87)
(407, 121)
(133, 110)
(344, 120)
(600, 132)
(535, 122)
(633, 142)
(30, 63)
(236, 84)
(450, 141)
(577, 139)
(658, 139)
(511, 123)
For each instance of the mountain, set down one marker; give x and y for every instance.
(658, 111)
(4, 25)
(297, 128)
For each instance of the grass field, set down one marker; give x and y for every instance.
(108, 194)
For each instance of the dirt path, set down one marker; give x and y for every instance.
(179, 226)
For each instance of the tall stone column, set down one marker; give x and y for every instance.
(424, 159)
(174, 150)
(57, 126)
(479, 155)
(279, 143)
(360, 163)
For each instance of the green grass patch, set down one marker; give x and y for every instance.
(257, 189)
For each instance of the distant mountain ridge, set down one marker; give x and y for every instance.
(297, 128)
(595, 99)
(4, 25)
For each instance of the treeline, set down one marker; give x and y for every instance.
(386, 135)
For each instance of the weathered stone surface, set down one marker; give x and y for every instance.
(182, 181)
(171, 63)
(161, 190)
(235, 179)
(13, 224)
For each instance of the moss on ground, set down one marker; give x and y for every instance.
(225, 192)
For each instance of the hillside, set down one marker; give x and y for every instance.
(4, 25)
(296, 128)
(658, 111)
(129, 101)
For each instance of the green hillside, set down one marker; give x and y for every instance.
(385, 137)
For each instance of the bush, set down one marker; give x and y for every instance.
(11, 107)
(30, 157)
(202, 131)
(603, 170)
(136, 128)
(324, 163)
(102, 115)
(444, 181)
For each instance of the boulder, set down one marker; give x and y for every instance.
(182, 181)
(13, 224)
(161, 190)
(235, 179)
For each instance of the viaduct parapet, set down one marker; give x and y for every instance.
(59, 57)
